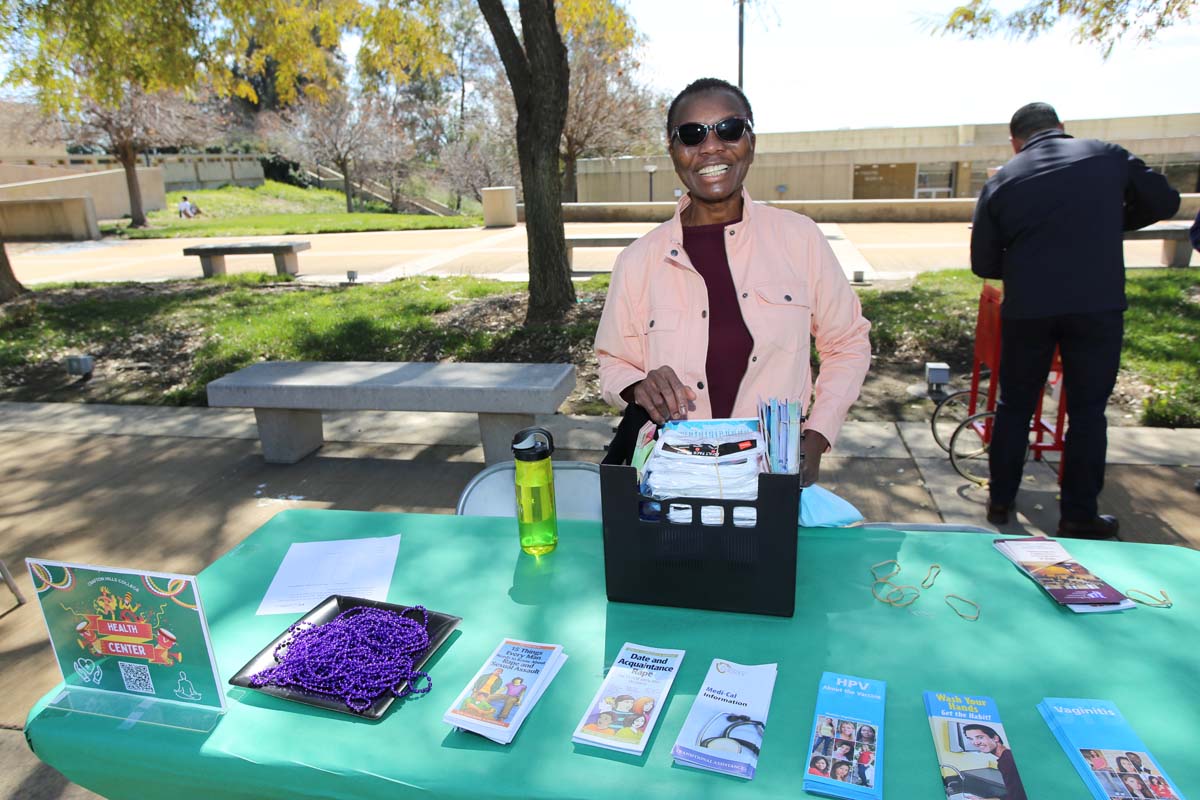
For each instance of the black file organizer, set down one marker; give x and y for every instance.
(719, 567)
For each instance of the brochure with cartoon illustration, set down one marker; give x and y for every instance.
(1049, 564)
(1112, 760)
(500, 696)
(974, 753)
(844, 757)
(127, 632)
(724, 730)
(625, 709)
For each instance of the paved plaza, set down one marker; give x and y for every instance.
(887, 251)
(173, 489)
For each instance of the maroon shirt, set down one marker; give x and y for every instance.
(729, 342)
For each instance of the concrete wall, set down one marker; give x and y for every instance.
(50, 218)
(180, 172)
(945, 210)
(20, 173)
(184, 173)
(821, 164)
(1115, 129)
(107, 190)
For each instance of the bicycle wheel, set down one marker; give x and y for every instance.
(969, 447)
(948, 415)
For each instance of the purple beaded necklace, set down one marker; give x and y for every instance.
(357, 656)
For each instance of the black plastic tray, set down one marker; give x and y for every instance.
(440, 627)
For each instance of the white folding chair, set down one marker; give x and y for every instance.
(12, 584)
(576, 491)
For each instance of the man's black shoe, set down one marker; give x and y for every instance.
(1101, 527)
(997, 513)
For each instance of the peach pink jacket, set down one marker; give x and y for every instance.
(789, 285)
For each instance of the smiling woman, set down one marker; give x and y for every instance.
(713, 310)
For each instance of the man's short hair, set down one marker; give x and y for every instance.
(1033, 118)
(707, 85)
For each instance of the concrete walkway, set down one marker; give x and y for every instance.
(173, 489)
(882, 251)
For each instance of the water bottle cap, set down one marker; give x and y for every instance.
(527, 446)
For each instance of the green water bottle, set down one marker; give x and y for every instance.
(537, 522)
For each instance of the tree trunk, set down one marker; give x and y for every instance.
(10, 287)
(538, 73)
(344, 166)
(570, 186)
(127, 155)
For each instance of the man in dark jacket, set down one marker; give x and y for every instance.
(1049, 224)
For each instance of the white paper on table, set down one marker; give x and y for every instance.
(312, 571)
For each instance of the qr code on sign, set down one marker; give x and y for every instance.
(136, 677)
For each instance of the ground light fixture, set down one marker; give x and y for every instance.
(81, 366)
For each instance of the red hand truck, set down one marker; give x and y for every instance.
(962, 422)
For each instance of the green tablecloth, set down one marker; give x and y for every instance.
(1022, 649)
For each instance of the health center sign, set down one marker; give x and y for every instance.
(128, 632)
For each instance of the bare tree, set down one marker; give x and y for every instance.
(481, 157)
(388, 155)
(140, 121)
(609, 112)
(335, 130)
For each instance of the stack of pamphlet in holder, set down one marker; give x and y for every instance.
(506, 688)
(626, 707)
(1109, 756)
(719, 458)
(780, 422)
(724, 730)
(974, 753)
(1063, 578)
(845, 753)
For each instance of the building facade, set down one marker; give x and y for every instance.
(942, 161)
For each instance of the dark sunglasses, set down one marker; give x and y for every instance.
(729, 129)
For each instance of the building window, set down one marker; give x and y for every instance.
(935, 180)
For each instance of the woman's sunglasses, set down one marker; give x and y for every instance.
(729, 129)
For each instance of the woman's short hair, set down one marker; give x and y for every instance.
(707, 85)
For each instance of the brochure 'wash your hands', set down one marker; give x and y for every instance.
(974, 753)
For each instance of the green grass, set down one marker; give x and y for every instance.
(274, 209)
(237, 320)
(934, 320)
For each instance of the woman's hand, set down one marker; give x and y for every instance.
(815, 444)
(663, 395)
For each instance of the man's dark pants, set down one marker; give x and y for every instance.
(1091, 353)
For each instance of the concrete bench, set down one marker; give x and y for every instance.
(598, 240)
(212, 256)
(1177, 248)
(289, 396)
(48, 218)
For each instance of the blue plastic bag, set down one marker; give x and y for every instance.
(821, 508)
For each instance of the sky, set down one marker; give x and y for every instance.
(812, 65)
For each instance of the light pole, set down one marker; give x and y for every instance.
(650, 170)
(741, 27)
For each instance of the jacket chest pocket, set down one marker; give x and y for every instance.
(783, 315)
(664, 339)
